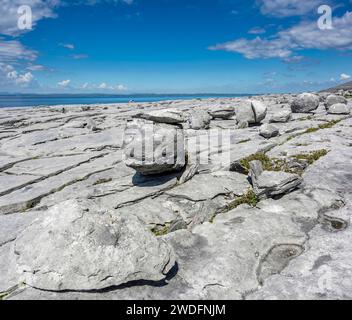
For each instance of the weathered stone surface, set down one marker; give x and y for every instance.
(259, 109)
(334, 99)
(154, 148)
(189, 173)
(75, 248)
(222, 112)
(251, 111)
(223, 259)
(208, 186)
(170, 116)
(199, 120)
(305, 103)
(272, 183)
(268, 131)
(339, 108)
(281, 116)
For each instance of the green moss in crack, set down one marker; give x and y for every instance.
(311, 157)
(212, 218)
(306, 118)
(244, 141)
(161, 230)
(326, 125)
(249, 198)
(102, 181)
(329, 124)
(30, 205)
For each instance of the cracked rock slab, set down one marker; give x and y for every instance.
(75, 247)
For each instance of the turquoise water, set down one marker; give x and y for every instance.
(52, 100)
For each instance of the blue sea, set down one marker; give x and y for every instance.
(22, 100)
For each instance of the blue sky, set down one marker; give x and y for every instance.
(174, 46)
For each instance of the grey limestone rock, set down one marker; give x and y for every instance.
(268, 184)
(305, 103)
(339, 108)
(74, 247)
(170, 116)
(268, 131)
(153, 148)
(334, 99)
(281, 116)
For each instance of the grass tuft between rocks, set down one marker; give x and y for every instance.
(160, 230)
(261, 156)
(249, 198)
(276, 164)
(311, 157)
(326, 125)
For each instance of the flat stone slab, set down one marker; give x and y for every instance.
(75, 247)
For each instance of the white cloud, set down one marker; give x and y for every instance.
(121, 87)
(35, 67)
(79, 56)
(13, 50)
(257, 48)
(287, 8)
(64, 83)
(41, 9)
(9, 76)
(9, 17)
(344, 77)
(24, 79)
(286, 43)
(103, 86)
(257, 30)
(69, 46)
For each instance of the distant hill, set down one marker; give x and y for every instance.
(344, 86)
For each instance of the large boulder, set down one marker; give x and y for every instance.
(334, 99)
(199, 120)
(305, 103)
(170, 116)
(268, 131)
(154, 148)
(76, 247)
(251, 111)
(339, 108)
(269, 184)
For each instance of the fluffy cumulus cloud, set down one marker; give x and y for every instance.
(10, 77)
(344, 77)
(64, 83)
(287, 43)
(287, 8)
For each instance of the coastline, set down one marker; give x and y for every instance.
(33, 100)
